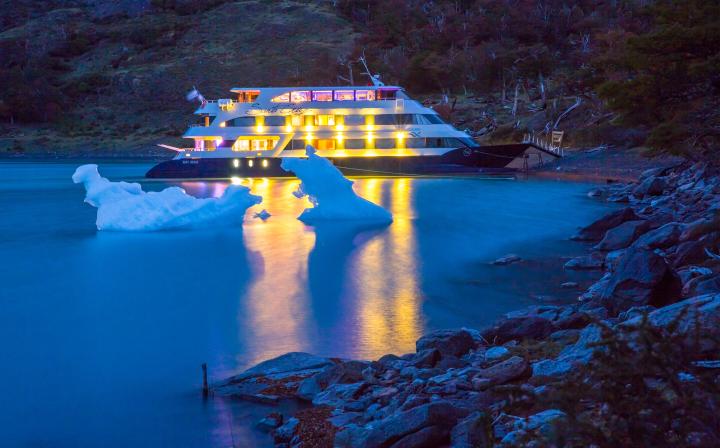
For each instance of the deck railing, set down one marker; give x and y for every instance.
(550, 143)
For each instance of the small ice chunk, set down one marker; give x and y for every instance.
(264, 214)
(125, 206)
(330, 193)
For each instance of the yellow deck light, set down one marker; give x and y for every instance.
(369, 137)
(400, 135)
(308, 138)
(339, 138)
(340, 127)
(288, 128)
(259, 128)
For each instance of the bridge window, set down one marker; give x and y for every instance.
(300, 96)
(247, 96)
(322, 95)
(259, 145)
(365, 95)
(415, 142)
(386, 94)
(282, 98)
(344, 95)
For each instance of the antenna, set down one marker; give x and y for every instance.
(374, 78)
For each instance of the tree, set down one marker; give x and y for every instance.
(668, 78)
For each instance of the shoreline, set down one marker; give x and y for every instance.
(501, 383)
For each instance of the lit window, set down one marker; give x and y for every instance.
(322, 95)
(365, 95)
(284, 98)
(326, 120)
(297, 120)
(259, 145)
(300, 96)
(325, 144)
(344, 95)
(241, 145)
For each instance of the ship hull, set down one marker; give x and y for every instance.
(476, 160)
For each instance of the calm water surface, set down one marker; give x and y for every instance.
(102, 334)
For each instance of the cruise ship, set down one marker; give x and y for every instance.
(373, 130)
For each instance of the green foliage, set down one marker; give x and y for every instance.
(643, 387)
(667, 79)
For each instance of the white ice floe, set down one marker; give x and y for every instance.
(330, 193)
(126, 207)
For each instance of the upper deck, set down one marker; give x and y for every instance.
(283, 100)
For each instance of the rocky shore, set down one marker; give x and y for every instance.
(634, 362)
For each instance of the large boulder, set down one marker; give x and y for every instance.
(447, 342)
(694, 317)
(579, 353)
(652, 186)
(693, 252)
(642, 277)
(662, 237)
(385, 432)
(284, 364)
(623, 235)
(503, 372)
(596, 230)
(474, 431)
(530, 327)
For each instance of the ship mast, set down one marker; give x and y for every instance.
(374, 78)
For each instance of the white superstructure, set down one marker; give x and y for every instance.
(338, 121)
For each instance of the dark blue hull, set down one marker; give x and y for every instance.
(481, 159)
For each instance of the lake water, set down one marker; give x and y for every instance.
(102, 334)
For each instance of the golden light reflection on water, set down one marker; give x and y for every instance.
(373, 296)
(389, 304)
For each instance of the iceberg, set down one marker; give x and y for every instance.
(124, 206)
(330, 193)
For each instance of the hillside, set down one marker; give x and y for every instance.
(95, 76)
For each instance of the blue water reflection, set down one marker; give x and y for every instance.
(103, 333)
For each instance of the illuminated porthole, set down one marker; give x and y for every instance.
(236, 163)
(265, 163)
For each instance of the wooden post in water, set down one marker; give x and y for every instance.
(205, 392)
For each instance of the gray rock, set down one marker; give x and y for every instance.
(507, 259)
(590, 262)
(652, 186)
(505, 371)
(596, 230)
(704, 284)
(270, 422)
(533, 327)
(287, 363)
(641, 278)
(447, 342)
(428, 437)
(474, 431)
(309, 388)
(286, 432)
(494, 353)
(623, 235)
(662, 237)
(426, 358)
(394, 427)
(336, 395)
(579, 353)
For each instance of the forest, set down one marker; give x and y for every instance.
(650, 66)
